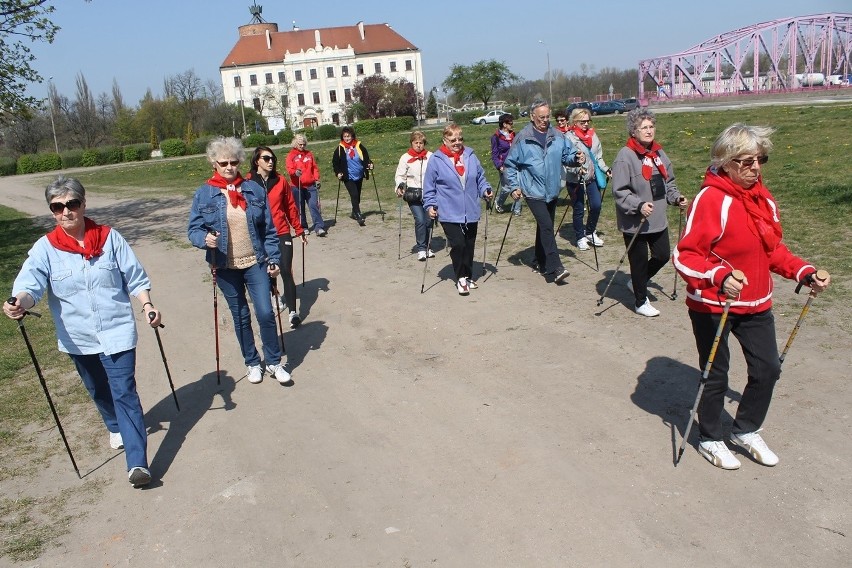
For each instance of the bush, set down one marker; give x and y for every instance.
(89, 158)
(32, 163)
(173, 147)
(199, 145)
(8, 166)
(327, 132)
(285, 136)
(109, 155)
(307, 132)
(463, 118)
(257, 139)
(71, 158)
(137, 152)
(384, 125)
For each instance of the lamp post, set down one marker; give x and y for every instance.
(242, 101)
(549, 76)
(52, 124)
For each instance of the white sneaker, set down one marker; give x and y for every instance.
(421, 255)
(647, 310)
(462, 287)
(756, 447)
(321, 232)
(254, 374)
(280, 373)
(583, 243)
(115, 441)
(595, 239)
(718, 454)
(471, 284)
(430, 254)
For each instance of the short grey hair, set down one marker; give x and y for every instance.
(298, 139)
(538, 103)
(739, 139)
(635, 118)
(221, 147)
(65, 186)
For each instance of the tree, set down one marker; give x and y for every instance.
(380, 97)
(21, 20)
(431, 105)
(479, 81)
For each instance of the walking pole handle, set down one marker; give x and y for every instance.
(820, 275)
(13, 300)
(151, 316)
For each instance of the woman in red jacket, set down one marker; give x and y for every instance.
(285, 216)
(733, 224)
(305, 179)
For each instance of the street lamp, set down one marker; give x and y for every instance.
(242, 101)
(549, 76)
(52, 124)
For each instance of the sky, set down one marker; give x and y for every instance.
(139, 42)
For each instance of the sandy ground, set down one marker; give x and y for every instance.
(519, 426)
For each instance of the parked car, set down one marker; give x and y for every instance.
(491, 117)
(629, 104)
(607, 107)
(581, 104)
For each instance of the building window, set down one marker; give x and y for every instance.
(344, 70)
(253, 79)
(332, 96)
(237, 81)
(268, 78)
(359, 69)
(256, 104)
(301, 99)
(408, 65)
(329, 72)
(313, 73)
(281, 78)
(378, 67)
(316, 98)
(298, 75)
(393, 66)
(347, 95)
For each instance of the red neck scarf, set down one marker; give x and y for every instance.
(562, 129)
(763, 220)
(235, 194)
(650, 157)
(421, 155)
(349, 147)
(508, 137)
(93, 240)
(585, 136)
(456, 156)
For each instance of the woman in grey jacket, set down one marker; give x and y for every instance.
(643, 183)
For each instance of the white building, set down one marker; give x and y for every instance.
(306, 77)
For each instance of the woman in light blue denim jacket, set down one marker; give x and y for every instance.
(230, 219)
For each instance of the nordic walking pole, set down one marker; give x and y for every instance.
(820, 275)
(620, 262)
(337, 203)
(216, 325)
(485, 243)
(567, 207)
(679, 229)
(273, 286)
(376, 187)
(739, 277)
(506, 232)
(586, 201)
(13, 300)
(303, 214)
(151, 316)
(399, 240)
(428, 248)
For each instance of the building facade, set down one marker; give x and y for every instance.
(302, 78)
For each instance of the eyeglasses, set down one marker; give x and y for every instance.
(646, 128)
(542, 118)
(264, 158)
(451, 140)
(563, 120)
(584, 122)
(749, 162)
(71, 204)
(225, 163)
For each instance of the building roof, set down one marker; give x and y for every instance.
(252, 49)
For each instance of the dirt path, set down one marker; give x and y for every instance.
(514, 427)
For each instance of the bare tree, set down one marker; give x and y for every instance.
(212, 91)
(117, 99)
(86, 128)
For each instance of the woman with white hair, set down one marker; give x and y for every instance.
(305, 179)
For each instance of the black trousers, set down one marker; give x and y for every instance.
(756, 335)
(546, 251)
(461, 239)
(285, 245)
(354, 189)
(642, 268)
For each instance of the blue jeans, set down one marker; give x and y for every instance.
(575, 192)
(310, 195)
(111, 382)
(421, 224)
(233, 283)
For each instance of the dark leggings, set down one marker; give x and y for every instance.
(643, 269)
(354, 189)
(285, 245)
(462, 241)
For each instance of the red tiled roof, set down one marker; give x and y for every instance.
(252, 50)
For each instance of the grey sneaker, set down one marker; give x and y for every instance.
(115, 441)
(753, 443)
(139, 476)
(321, 232)
(561, 276)
(718, 454)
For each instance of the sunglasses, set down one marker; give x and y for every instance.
(584, 122)
(267, 158)
(224, 163)
(71, 204)
(749, 162)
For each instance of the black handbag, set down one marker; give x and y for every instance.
(412, 195)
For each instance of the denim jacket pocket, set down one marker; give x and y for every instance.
(62, 284)
(108, 276)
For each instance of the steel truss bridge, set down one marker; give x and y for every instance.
(776, 56)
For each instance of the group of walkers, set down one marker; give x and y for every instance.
(731, 244)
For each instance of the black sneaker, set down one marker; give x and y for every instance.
(561, 275)
(498, 208)
(295, 320)
(139, 476)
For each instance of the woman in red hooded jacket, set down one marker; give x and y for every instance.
(305, 179)
(285, 216)
(734, 224)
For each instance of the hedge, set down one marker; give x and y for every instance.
(199, 145)
(173, 147)
(257, 139)
(72, 158)
(327, 132)
(137, 152)
(285, 136)
(89, 158)
(383, 125)
(8, 166)
(31, 163)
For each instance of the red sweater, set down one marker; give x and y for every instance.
(285, 214)
(302, 160)
(715, 242)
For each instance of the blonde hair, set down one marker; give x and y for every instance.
(739, 139)
(576, 113)
(450, 128)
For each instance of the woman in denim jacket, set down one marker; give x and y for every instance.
(230, 219)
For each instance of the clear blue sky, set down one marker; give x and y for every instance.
(139, 42)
